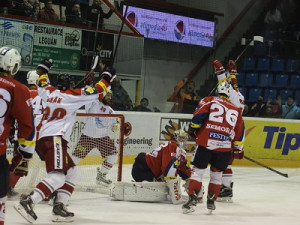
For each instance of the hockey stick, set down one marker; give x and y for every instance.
(119, 36)
(94, 65)
(269, 168)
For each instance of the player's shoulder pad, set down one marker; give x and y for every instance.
(89, 91)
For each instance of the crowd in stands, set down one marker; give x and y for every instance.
(70, 11)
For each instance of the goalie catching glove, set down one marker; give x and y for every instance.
(19, 162)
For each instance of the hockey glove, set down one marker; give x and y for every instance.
(109, 75)
(238, 154)
(232, 68)
(218, 67)
(89, 78)
(19, 162)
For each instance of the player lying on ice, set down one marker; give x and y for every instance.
(155, 174)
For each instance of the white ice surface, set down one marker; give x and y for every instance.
(260, 197)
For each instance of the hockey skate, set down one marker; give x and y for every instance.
(25, 209)
(61, 214)
(51, 198)
(101, 178)
(12, 194)
(211, 202)
(225, 194)
(188, 207)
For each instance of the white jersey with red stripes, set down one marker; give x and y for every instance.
(60, 109)
(237, 98)
(97, 127)
(37, 107)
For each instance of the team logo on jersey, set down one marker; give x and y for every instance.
(132, 19)
(179, 30)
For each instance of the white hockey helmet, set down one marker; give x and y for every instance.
(225, 88)
(10, 60)
(32, 77)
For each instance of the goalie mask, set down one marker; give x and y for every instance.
(32, 77)
(64, 81)
(181, 137)
(10, 60)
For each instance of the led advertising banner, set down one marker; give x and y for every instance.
(170, 27)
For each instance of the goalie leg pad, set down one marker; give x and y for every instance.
(175, 191)
(140, 191)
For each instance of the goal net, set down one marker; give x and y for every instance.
(96, 152)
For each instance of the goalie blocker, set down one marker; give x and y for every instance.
(148, 191)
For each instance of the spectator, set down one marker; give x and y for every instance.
(120, 100)
(186, 96)
(48, 13)
(92, 13)
(290, 110)
(25, 7)
(273, 18)
(142, 107)
(74, 16)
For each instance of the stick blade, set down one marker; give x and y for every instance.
(95, 62)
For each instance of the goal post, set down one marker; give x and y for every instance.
(102, 148)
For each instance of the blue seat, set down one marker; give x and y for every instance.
(284, 94)
(266, 80)
(243, 91)
(241, 78)
(249, 63)
(270, 34)
(295, 81)
(281, 80)
(260, 48)
(277, 65)
(292, 65)
(270, 93)
(297, 97)
(251, 79)
(253, 95)
(263, 64)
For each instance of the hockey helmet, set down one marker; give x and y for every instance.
(10, 60)
(32, 77)
(225, 88)
(64, 81)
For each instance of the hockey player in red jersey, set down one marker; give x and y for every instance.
(15, 103)
(164, 162)
(61, 104)
(218, 127)
(237, 99)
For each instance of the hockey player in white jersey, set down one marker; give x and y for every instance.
(61, 104)
(237, 99)
(96, 135)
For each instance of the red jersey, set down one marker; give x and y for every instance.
(162, 161)
(218, 124)
(15, 103)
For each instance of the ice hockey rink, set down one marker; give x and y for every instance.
(260, 197)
